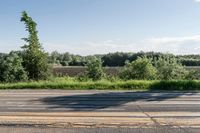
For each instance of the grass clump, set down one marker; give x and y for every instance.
(104, 84)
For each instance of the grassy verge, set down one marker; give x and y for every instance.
(71, 83)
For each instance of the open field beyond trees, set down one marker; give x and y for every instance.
(113, 71)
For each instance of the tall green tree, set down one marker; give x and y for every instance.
(35, 60)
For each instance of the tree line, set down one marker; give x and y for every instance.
(118, 59)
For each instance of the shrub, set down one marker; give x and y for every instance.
(193, 75)
(141, 69)
(169, 69)
(82, 77)
(94, 69)
(11, 69)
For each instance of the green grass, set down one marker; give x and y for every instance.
(73, 84)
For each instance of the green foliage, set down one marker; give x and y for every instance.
(118, 59)
(94, 69)
(11, 69)
(54, 58)
(170, 69)
(193, 75)
(112, 78)
(35, 60)
(82, 77)
(60, 59)
(70, 83)
(77, 60)
(141, 69)
(190, 62)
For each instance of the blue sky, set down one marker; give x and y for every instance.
(102, 26)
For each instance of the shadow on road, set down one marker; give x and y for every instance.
(92, 102)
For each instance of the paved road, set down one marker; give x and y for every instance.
(103, 111)
(97, 130)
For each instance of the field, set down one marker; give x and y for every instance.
(195, 68)
(74, 71)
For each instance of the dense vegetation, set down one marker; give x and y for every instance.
(11, 69)
(29, 64)
(140, 85)
(118, 59)
(94, 69)
(141, 69)
(35, 60)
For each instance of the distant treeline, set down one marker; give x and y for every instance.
(117, 59)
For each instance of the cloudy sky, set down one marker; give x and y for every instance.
(102, 26)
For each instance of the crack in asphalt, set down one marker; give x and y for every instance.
(157, 124)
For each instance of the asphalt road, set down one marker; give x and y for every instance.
(60, 111)
(96, 130)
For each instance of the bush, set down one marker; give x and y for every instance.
(141, 69)
(169, 69)
(94, 69)
(82, 77)
(193, 75)
(11, 69)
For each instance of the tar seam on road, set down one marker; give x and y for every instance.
(157, 124)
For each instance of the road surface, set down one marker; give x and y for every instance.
(60, 111)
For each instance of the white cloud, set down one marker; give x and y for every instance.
(8, 46)
(197, 0)
(176, 45)
(175, 39)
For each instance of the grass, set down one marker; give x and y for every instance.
(73, 84)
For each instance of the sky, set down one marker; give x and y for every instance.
(88, 27)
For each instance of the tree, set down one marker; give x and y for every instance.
(76, 60)
(169, 68)
(35, 60)
(66, 59)
(193, 75)
(94, 69)
(54, 58)
(11, 69)
(141, 69)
